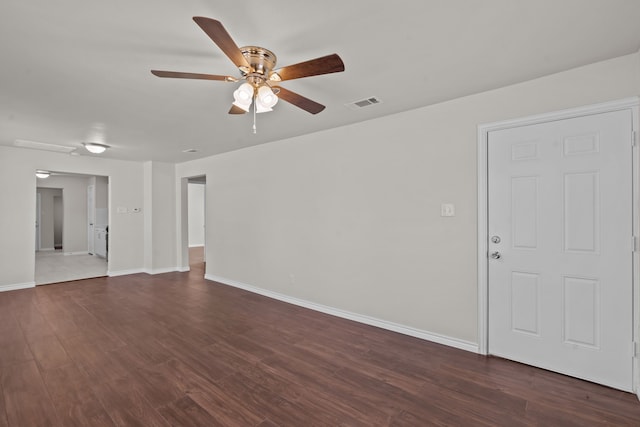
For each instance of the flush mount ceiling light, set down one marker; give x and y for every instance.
(42, 174)
(94, 147)
(257, 67)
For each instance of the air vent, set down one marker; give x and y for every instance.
(23, 143)
(364, 103)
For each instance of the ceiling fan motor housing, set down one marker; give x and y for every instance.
(262, 62)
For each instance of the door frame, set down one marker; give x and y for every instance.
(183, 220)
(632, 104)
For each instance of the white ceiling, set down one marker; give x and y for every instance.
(73, 70)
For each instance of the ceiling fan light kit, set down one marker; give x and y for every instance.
(257, 67)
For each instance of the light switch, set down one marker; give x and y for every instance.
(447, 209)
(121, 210)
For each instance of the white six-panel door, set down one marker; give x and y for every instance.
(560, 245)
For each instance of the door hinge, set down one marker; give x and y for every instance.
(635, 346)
(634, 244)
(635, 138)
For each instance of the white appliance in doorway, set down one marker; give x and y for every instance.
(559, 245)
(100, 241)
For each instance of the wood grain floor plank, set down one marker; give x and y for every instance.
(64, 380)
(98, 364)
(266, 402)
(81, 408)
(26, 399)
(302, 380)
(229, 412)
(125, 404)
(185, 412)
(4, 422)
(49, 353)
(199, 360)
(159, 386)
(14, 352)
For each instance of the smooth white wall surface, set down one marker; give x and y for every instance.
(350, 218)
(196, 214)
(18, 184)
(160, 217)
(102, 188)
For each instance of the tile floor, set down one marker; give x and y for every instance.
(55, 266)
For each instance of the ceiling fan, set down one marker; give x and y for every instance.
(256, 65)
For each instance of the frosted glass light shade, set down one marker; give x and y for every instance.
(265, 99)
(94, 147)
(243, 96)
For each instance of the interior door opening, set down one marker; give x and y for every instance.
(72, 227)
(194, 224)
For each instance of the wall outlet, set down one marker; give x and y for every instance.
(447, 209)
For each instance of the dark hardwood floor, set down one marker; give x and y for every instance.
(174, 349)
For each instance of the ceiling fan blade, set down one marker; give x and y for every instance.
(221, 37)
(314, 67)
(299, 101)
(180, 75)
(236, 110)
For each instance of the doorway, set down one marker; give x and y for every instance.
(556, 259)
(67, 214)
(193, 227)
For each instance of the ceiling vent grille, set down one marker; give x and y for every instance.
(364, 103)
(23, 143)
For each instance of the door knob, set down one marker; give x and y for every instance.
(495, 239)
(495, 255)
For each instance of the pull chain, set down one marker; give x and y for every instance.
(254, 116)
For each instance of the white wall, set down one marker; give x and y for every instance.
(196, 214)
(102, 200)
(159, 217)
(350, 218)
(18, 185)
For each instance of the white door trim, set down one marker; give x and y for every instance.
(632, 104)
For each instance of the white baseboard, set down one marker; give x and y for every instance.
(184, 269)
(384, 324)
(46, 249)
(77, 253)
(16, 286)
(196, 246)
(125, 272)
(145, 270)
(162, 270)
